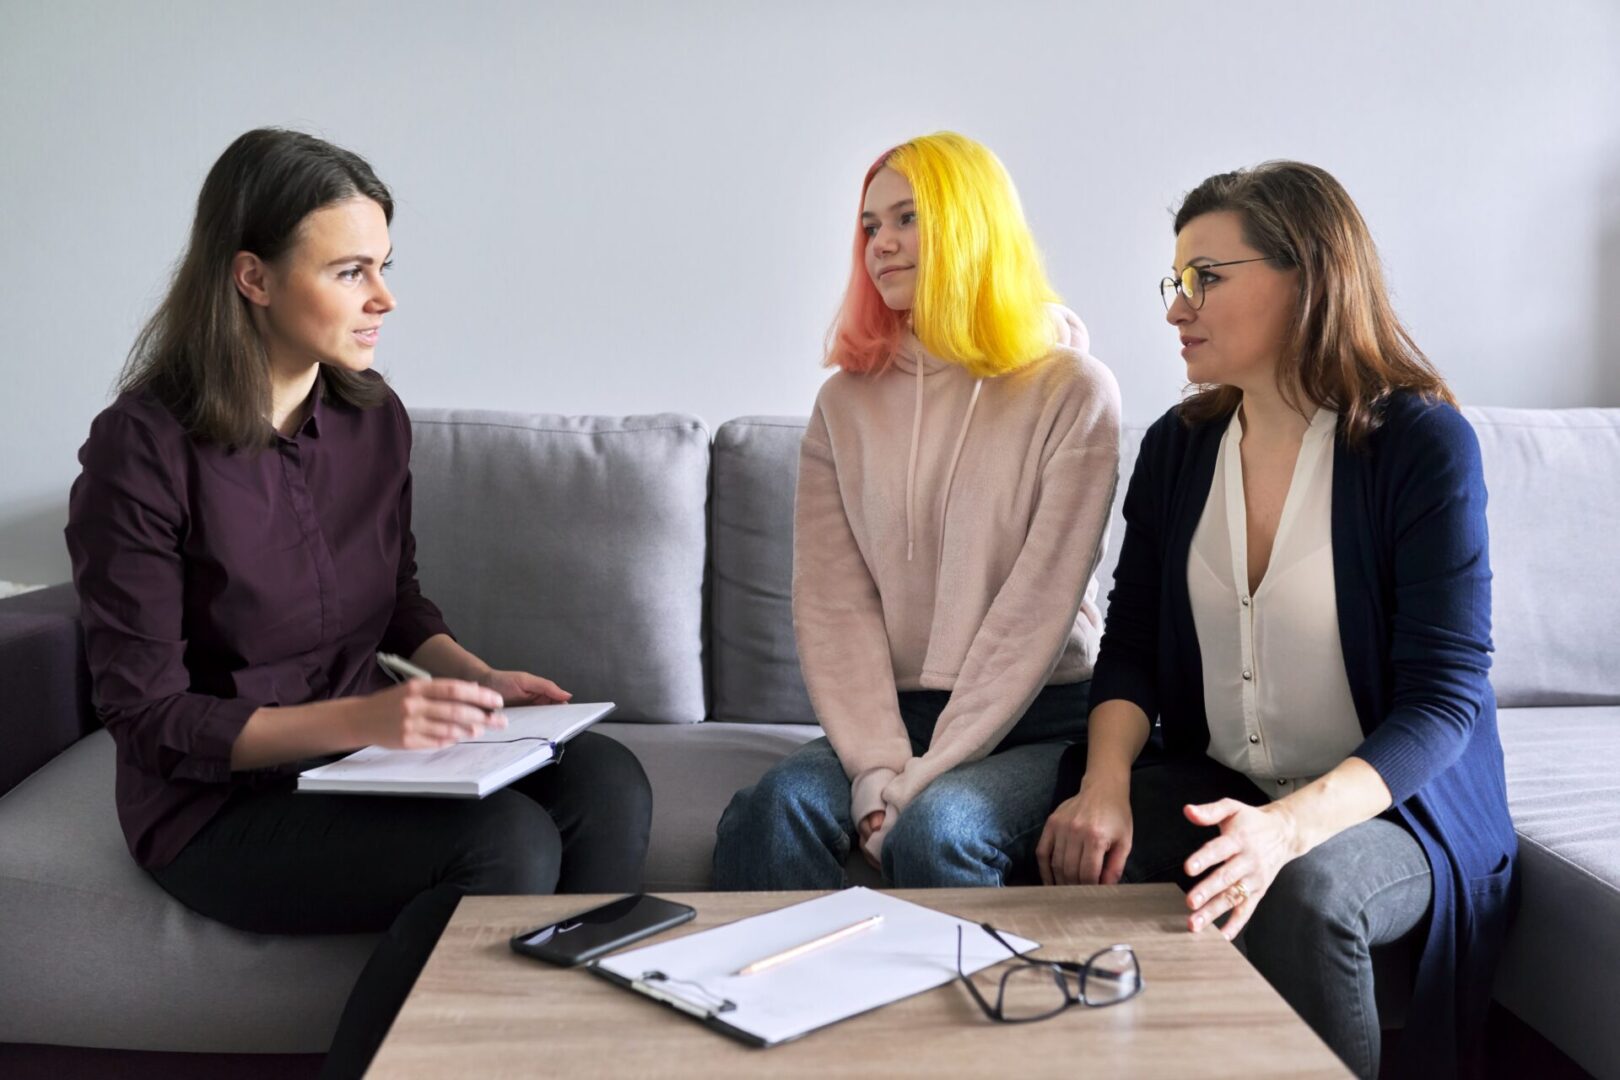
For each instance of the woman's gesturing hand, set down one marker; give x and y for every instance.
(1256, 842)
(424, 714)
(1087, 837)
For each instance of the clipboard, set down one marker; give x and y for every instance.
(666, 991)
(912, 951)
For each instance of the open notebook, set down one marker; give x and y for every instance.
(532, 738)
(912, 950)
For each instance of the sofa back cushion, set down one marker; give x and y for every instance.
(755, 663)
(1130, 444)
(572, 547)
(1553, 478)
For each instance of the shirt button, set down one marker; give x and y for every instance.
(1245, 601)
(1247, 674)
(1281, 782)
(1254, 738)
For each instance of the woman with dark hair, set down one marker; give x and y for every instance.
(1302, 603)
(241, 545)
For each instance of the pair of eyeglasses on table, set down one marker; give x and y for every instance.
(1038, 989)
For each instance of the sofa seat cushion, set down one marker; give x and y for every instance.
(95, 953)
(694, 772)
(1558, 971)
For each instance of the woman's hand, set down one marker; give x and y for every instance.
(1256, 842)
(521, 688)
(868, 825)
(426, 714)
(1087, 837)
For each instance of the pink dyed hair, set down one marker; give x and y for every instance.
(867, 331)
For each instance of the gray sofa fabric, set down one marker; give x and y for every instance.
(754, 660)
(48, 684)
(1553, 478)
(694, 771)
(1560, 972)
(572, 546)
(94, 953)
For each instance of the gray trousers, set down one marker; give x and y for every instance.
(1312, 933)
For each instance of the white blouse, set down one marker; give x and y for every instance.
(1275, 688)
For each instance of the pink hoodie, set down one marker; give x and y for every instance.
(970, 569)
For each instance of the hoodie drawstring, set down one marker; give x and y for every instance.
(911, 467)
(950, 473)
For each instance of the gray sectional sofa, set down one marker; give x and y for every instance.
(637, 560)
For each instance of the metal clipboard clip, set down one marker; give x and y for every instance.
(694, 1000)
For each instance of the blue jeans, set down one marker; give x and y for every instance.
(975, 825)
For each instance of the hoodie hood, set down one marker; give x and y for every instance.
(1072, 333)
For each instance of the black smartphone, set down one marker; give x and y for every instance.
(589, 934)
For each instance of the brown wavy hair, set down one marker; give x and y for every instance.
(200, 353)
(1352, 352)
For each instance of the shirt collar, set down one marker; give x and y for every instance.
(1324, 423)
(316, 403)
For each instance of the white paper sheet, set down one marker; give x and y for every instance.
(912, 950)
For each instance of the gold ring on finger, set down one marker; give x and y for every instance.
(1239, 893)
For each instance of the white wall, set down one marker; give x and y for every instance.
(633, 207)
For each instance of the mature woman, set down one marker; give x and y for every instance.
(1303, 604)
(954, 488)
(242, 548)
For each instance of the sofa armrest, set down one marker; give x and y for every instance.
(46, 705)
(54, 600)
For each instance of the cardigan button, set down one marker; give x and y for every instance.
(1247, 674)
(1281, 782)
(1254, 738)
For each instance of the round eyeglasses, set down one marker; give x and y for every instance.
(1190, 282)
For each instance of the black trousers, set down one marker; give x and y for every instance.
(278, 862)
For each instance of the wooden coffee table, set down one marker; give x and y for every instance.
(479, 1010)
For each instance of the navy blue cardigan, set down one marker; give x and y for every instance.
(1411, 565)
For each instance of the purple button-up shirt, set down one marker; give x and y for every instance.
(213, 582)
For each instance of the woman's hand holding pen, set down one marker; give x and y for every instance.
(424, 714)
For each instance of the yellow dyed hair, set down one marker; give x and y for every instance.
(981, 289)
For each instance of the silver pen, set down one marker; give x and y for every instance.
(400, 668)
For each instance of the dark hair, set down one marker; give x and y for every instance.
(200, 353)
(1350, 350)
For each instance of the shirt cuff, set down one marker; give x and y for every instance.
(209, 758)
